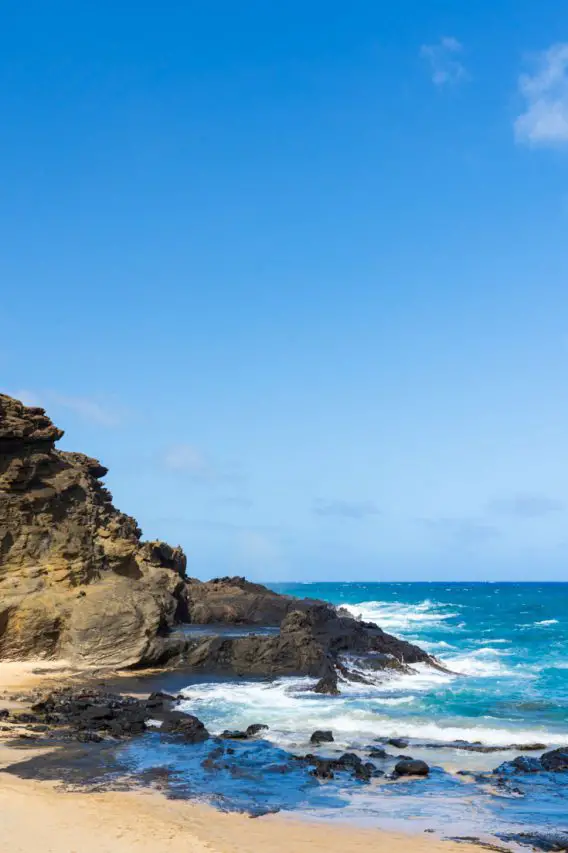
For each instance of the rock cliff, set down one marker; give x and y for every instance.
(77, 582)
(75, 579)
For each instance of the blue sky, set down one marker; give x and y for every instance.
(298, 274)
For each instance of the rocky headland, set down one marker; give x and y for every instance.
(78, 583)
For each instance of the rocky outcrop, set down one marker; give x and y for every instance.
(75, 579)
(77, 582)
(310, 642)
(238, 601)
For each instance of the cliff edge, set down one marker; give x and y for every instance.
(76, 581)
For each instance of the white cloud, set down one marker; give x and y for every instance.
(545, 119)
(445, 67)
(193, 462)
(88, 408)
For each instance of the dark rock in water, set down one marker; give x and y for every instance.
(165, 697)
(307, 641)
(327, 684)
(323, 769)
(550, 842)
(326, 768)
(191, 729)
(159, 699)
(84, 714)
(411, 767)
(322, 737)
(521, 764)
(378, 752)
(477, 746)
(524, 764)
(212, 762)
(255, 729)
(366, 771)
(398, 742)
(235, 735)
(349, 760)
(556, 760)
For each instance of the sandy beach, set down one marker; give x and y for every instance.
(40, 816)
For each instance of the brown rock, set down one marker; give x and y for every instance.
(235, 600)
(75, 580)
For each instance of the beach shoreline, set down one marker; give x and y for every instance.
(69, 821)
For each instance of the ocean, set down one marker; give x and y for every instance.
(507, 648)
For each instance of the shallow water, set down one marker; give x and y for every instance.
(507, 646)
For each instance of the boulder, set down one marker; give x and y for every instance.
(398, 742)
(378, 752)
(326, 768)
(411, 767)
(190, 728)
(320, 736)
(255, 728)
(556, 760)
(76, 581)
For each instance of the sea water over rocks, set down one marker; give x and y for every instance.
(486, 730)
(507, 695)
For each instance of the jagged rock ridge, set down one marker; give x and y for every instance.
(75, 579)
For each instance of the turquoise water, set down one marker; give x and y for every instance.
(509, 641)
(507, 648)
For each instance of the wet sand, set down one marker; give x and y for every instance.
(43, 816)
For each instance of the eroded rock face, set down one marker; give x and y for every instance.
(310, 642)
(235, 600)
(75, 579)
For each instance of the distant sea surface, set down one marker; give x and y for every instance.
(510, 640)
(507, 647)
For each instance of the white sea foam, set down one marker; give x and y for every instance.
(400, 617)
(293, 713)
(394, 704)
